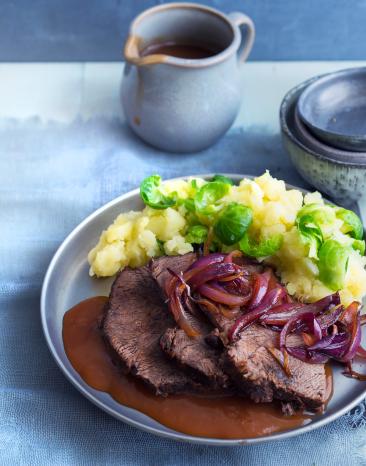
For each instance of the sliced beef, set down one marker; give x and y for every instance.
(257, 372)
(221, 323)
(135, 319)
(196, 356)
(192, 354)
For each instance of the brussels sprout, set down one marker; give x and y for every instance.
(208, 195)
(189, 204)
(312, 222)
(264, 248)
(232, 223)
(321, 214)
(197, 234)
(194, 184)
(222, 179)
(352, 224)
(151, 194)
(359, 245)
(333, 263)
(310, 232)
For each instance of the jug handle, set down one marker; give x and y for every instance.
(240, 19)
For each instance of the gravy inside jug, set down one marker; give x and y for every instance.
(180, 50)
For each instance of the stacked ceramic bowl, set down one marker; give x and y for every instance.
(323, 123)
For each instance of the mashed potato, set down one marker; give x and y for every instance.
(135, 237)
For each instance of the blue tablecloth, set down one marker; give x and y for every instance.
(51, 177)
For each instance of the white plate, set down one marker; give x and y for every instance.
(67, 282)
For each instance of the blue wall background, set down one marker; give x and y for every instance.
(79, 30)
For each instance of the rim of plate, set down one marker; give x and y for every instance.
(174, 435)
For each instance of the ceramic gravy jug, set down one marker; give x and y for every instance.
(184, 104)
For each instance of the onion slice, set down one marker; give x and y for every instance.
(281, 358)
(312, 357)
(308, 319)
(349, 372)
(232, 255)
(260, 289)
(333, 346)
(177, 296)
(218, 294)
(214, 271)
(330, 317)
(351, 319)
(177, 309)
(272, 298)
(204, 261)
(279, 315)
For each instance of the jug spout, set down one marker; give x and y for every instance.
(132, 53)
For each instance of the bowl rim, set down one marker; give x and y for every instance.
(311, 88)
(306, 136)
(284, 110)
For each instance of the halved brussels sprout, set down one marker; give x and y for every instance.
(264, 248)
(208, 195)
(197, 234)
(333, 263)
(151, 194)
(352, 224)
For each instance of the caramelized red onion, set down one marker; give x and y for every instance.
(271, 299)
(218, 294)
(281, 358)
(329, 318)
(213, 272)
(332, 345)
(260, 289)
(301, 352)
(340, 340)
(221, 286)
(352, 320)
(180, 315)
(204, 261)
(232, 255)
(177, 297)
(239, 286)
(279, 315)
(308, 320)
(349, 372)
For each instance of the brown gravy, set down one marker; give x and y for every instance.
(179, 50)
(225, 418)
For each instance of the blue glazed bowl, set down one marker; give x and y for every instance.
(334, 109)
(342, 179)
